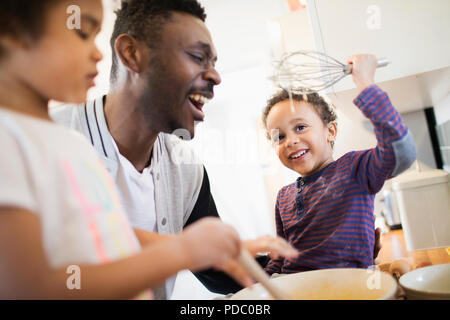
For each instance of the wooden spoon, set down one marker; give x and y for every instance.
(254, 269)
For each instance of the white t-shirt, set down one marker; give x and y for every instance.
(55, 173)
(137, 191)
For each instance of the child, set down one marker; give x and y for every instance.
(327, 214)
(63, 232)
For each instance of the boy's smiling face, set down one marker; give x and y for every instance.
(301, 139)
(61, 63)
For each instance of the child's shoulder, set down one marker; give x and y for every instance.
(41, 136)
(349, 157)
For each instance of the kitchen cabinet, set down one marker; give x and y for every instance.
(412, 34)
(444, 143)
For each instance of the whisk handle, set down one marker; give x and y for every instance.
(382, 62)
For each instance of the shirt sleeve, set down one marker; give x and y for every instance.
(205, 205)
(274, 265)
(16, 178)
(395, 150)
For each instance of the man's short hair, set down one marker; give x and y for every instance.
(144, 21)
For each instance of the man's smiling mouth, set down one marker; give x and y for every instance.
(197, 101)
(198, 98)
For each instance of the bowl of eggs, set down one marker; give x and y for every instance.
(427, 283)
(328, 284)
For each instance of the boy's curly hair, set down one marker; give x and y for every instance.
(23, 19)
(144, 20)
(323, 108)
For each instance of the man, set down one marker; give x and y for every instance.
(162, 75)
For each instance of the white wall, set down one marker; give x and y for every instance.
(239, 33)
(442, 110)
(413, 34)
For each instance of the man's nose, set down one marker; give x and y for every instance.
(212, 76)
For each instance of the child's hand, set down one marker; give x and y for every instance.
(210, 242)
(363, 72)
(378, 244)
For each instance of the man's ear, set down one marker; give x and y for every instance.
(132, 53)
(332, 131)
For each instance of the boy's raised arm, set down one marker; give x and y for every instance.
(395, 150)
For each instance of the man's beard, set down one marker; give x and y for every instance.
(163, 116)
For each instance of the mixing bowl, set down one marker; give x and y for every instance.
(427, 283)
(328, 284)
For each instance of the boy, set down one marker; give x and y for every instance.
(327, 214)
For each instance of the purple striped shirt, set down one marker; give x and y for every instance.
(328, 216)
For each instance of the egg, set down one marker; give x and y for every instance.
(421, 265)
(399, 267)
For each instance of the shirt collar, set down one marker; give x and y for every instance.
(112, 151)
(311, 178)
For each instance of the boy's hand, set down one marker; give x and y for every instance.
(378, 244)
(274, 246)
(363, 72)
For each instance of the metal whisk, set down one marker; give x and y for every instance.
(309, 71)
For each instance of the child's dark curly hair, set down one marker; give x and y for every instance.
(323, 108)
(23, 19)
(144, 20)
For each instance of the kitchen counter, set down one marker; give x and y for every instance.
(393, 248)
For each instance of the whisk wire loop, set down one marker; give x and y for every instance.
(310, 71)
